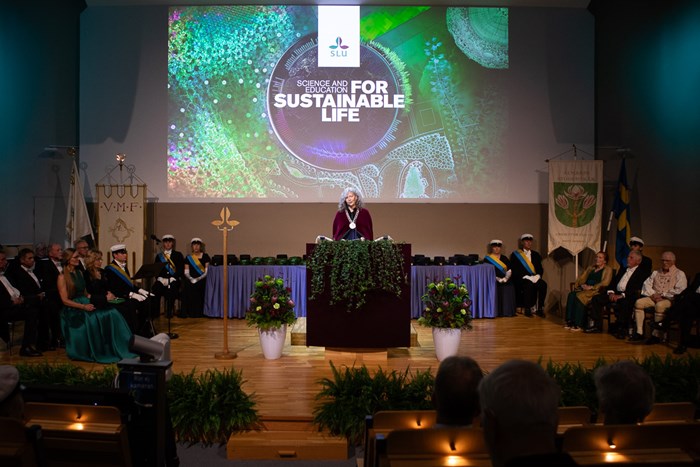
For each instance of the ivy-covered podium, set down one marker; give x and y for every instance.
(345, 307)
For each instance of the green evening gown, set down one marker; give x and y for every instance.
(95, 336)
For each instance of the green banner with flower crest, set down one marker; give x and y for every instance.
(575, 205)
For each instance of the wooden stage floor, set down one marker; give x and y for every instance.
(288, 386)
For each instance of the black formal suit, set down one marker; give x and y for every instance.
(624, 306)
(18, 312)
(527, 294)
(175, 271)
(98, 287)
(35, 296)
(48, 273)
(122, 289)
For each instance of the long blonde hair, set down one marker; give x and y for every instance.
(67, 270)
(92, 257)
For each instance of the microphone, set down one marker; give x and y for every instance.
(154, 238)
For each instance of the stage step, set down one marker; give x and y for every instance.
(291, 438)
(298, 333)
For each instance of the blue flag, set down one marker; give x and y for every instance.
(621, 210)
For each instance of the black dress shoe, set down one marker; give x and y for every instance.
(660, 326)
(30, 352)
(636, 337)
(680, 349)
(540, 313)
(592, 330)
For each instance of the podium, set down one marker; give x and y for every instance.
(383, 321)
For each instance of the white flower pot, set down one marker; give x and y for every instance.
(446, 342)
(272, 342)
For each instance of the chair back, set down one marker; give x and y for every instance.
(19, 445)
(573, 416)
(437, 446)
(664, 412)
(78, 435)
(670, 444)
(385, 421)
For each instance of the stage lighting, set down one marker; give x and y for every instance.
(155, 349)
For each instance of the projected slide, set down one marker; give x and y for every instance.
(252, 115)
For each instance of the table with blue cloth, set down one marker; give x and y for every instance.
(479, 279)
(241, 282)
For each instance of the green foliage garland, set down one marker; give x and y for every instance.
(355, 268)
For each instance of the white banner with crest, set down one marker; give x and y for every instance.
(575, 205)
(121, 218)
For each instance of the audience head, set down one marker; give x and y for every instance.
(82, 247)
(41, 250)
(67, 258)
(668, 259)
(93, 261)
(55, 251)
(197, 245)
(26, 258)
(455, 395)
(11, 402)
(344, 197)
(636, 244)
(168, 241)
(634, 258)
(526, 241)
(601, 258)
(495, 246)
(519, 411)
(625, 392)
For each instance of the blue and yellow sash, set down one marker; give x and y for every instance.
(115, 268)
(520, 254)
(496, 261)
(196, 264)
(169, 265)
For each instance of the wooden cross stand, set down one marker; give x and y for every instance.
(224, 224)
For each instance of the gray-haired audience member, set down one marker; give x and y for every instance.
(519, 416)
(625, 392)
(11, 402)
(455, 395)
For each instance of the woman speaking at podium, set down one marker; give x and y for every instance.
(352, 221)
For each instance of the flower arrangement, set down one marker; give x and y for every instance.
(271, 304)
(447, 305)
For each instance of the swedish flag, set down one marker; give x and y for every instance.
(621, 210)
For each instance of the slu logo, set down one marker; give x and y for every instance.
(338, 44)
(338, 50)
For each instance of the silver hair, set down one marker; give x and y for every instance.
(520, 395)
(670, 254)
(341, 203)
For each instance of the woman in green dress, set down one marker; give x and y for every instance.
(588, 284)
(91, 334)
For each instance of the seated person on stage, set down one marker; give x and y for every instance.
(530, 288)
(637, 244)
(100, 295)
(168, 282)
(26, 278)
(622, 292)
(658, 291)
(48, 269)
(505, 292)
(14, 308)
(594, 279)
(120, 284)
(684, 310)
(455, 393)
(352, 221)
(196, 268)
(92, 334)
(519, 416)
(625, 393)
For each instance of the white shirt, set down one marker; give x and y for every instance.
(14, 293)
(622, 285)
(58, 265)
(32, 275)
